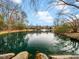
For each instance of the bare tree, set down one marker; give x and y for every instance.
(11, 12)
(72, 20)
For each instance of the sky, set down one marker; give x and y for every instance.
(44, 16)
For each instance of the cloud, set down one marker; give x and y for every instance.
(60, 7)
(17, 1)
(77, 15)
(66, 11)
(44, 16)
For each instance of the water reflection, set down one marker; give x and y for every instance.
(12, 42)
(48, 43)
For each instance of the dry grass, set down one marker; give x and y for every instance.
(13, 31)
(72, 35)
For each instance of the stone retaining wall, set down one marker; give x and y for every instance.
(64, 57)
(25, 55)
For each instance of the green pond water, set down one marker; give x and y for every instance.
(45, 42)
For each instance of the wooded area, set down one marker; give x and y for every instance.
(11, 16)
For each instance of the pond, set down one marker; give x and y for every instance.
(45, 42)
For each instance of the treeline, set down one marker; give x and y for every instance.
(68, 25)
(11, 16)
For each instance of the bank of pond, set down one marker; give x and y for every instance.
(39, 55)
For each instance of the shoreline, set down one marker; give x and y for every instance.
(23, 30)
(25, 55)
(13, 31)
(71, 35)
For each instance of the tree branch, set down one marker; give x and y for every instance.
(70, 4)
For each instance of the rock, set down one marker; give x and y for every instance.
(7, 56)
(41, 56)
(21, 55)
